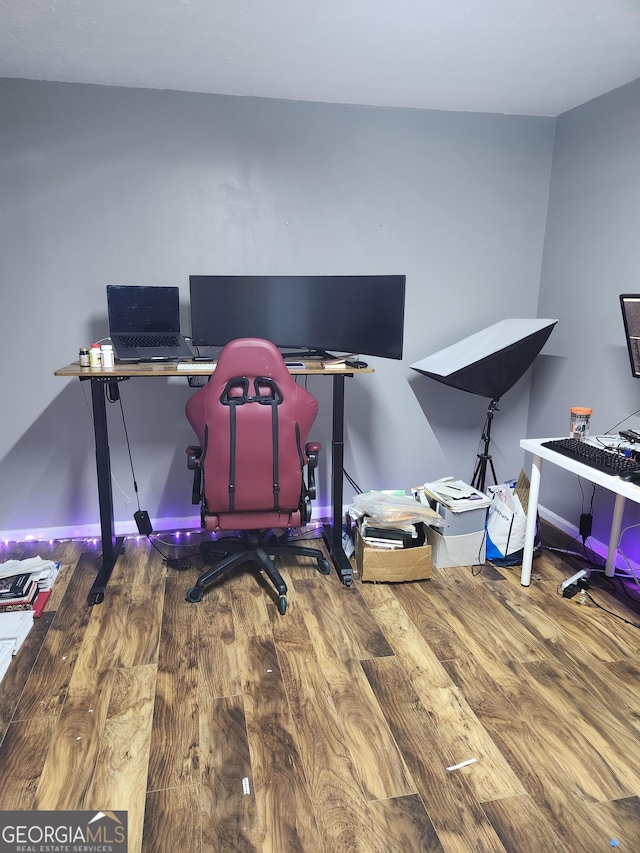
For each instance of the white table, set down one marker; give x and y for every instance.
(620, 488)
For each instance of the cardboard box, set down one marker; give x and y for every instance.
(448, 552)
(522, 489)
(390, 566)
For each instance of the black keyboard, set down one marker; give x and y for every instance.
(609, 461)
(161, 340)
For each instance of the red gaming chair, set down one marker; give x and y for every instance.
(252, 420)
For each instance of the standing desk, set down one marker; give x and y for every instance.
(620, 488)
(100, 378)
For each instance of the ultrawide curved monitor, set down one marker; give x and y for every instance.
(323, 314)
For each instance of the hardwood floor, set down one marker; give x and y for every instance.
(224, 726)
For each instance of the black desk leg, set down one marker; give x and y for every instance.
(111, 546)
(332, 533)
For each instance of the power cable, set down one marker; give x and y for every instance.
(178, 563)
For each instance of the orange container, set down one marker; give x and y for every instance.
(580, 417)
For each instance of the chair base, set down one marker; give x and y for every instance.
(255, 546)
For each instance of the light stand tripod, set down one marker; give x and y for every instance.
(484, 458)
(488, 363)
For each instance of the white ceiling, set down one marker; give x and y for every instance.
(533, 57)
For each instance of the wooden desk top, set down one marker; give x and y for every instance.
(198, 368)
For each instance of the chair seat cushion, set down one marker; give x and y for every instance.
(252, 520)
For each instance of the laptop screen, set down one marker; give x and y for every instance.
(143, 308)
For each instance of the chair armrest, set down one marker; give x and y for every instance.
(312, 449)
(193, 464)
(193, 457)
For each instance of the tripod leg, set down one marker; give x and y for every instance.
(493, 471)
(479, 474)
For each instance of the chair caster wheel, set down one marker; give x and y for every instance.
(194, 594)
(323, 566)
(282, 604)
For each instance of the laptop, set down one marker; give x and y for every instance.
(144, 323)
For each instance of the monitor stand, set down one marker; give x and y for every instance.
(308, 355)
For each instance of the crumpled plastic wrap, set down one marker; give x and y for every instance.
(394, 509)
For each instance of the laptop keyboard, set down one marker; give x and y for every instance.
(135, 341)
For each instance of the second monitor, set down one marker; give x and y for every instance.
(315, 314)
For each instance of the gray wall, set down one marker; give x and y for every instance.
(108, 185)
(591, 255)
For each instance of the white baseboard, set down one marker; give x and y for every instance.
(597, 547)
(91, 532)
(557, 521)
(128, 528)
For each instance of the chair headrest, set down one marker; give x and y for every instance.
(239, 390)
(252, 357)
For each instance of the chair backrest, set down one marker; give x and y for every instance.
(252, 420)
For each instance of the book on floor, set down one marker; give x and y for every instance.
(20, 602)
(15, 586)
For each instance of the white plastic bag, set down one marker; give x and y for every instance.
(506, 525)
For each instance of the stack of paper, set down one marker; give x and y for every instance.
(47, 576)
(6, 653)
(19, 567)
(385, 535)
(14, 627)
(454, 494)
